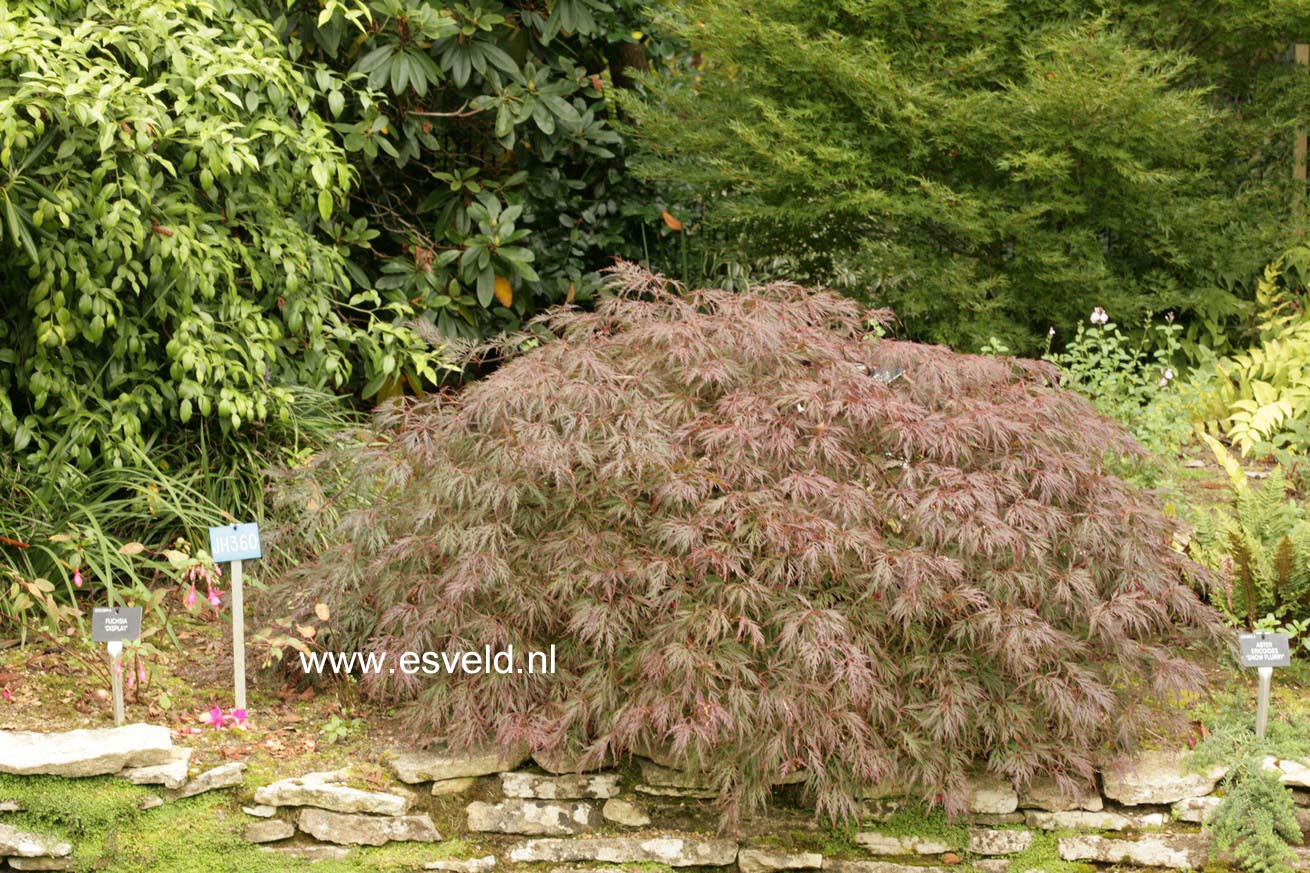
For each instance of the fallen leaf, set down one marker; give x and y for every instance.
(672, 222)
(504, 293)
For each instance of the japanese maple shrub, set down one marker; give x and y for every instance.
(765, 541)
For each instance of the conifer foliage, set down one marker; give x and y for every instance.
(765, 540)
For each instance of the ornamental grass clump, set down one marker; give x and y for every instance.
(764, 542)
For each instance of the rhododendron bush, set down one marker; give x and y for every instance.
(766, 541)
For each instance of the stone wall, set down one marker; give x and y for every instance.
(518, 811)
(1148, 814)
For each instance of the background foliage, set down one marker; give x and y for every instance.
(484, 136)
(1259, 397)
(991, 169)
(764, 538)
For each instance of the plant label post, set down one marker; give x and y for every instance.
(1264, 651)
(112, 625)
(236, 543)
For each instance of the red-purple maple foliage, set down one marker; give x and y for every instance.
(768, 542)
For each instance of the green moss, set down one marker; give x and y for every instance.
(1044, 855)
(453, 849)
(922, 821)
(647, 867)
(840, 843)
(73, 808)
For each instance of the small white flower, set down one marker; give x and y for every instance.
(1100, 316)
(1051, 332)
(1167, 377)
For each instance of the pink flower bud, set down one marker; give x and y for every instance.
(77, 577)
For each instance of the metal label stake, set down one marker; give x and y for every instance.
(112, 625)
(236, 543)
(1264, 651)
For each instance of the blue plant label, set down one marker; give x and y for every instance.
(115, 623)
(1264, 650)
(234, 542)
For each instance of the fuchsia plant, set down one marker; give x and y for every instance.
(215, 718)
(209, 574)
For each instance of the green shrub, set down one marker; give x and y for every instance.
(1135, 384)
(1256, 819)
(484, 136)
(173, 234)
(759, 535)
(988, 169)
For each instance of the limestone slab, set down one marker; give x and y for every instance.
(998, 841)
(312, 854)
(1158, 777)
(328, 790)
(598, 786)
(448, 787)
(839, 866)
(1176, 851)
(23, 844)
(46, 863)
(991, 795)
(673, 851)
(765, 861)
(436, 764)
(88, 752)
(877, 843)
(347, 829)
(1290, 772)
(533, 817)
(227, 775)
(1078, 819)
(624, 812)
(268, 831)
(170, 774)
(1045, 794)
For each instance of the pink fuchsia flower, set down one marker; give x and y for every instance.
(214, 717)
(77, 577)
(213, 598)
(190, 597)
(1100, 316)
(238, 717)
